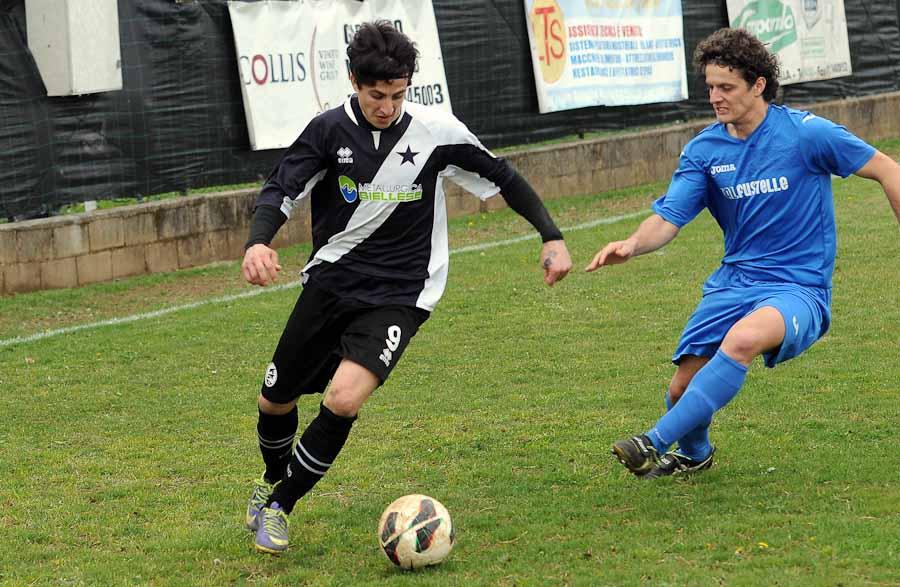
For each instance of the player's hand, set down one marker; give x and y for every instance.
(612, 254)
(556, 261)
(260, 266)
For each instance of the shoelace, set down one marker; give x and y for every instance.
(260, 495)
(276, 523)
(680, 465)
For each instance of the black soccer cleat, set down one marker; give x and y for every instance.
(673, 463)
(637, 454)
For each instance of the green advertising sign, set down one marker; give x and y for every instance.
(770, 21)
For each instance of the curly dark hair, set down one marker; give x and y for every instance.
(379, 52)
(739, 50)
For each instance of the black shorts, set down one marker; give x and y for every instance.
(323, 329)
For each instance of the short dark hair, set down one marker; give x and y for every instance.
(379, 52)
(739, 50)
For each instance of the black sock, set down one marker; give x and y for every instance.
(317, 448)
(276, 438)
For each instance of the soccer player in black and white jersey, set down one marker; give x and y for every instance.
(373, 170)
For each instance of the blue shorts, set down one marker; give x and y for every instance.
(806, 312)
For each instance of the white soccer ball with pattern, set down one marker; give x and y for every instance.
(415, 531)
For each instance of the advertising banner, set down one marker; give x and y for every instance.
(292, 59)
(606, 52)
(809, 36)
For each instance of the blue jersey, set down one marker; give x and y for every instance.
(770, 193)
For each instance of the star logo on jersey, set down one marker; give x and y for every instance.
(408, 155)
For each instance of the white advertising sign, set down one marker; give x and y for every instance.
(606, 52)
(809, 36)
(292, 59)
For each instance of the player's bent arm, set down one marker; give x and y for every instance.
(885, 171)
(260, 266)
(653, 233)
(524, 201)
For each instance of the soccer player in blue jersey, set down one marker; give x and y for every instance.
(764, 173)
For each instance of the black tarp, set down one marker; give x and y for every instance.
(178, 122)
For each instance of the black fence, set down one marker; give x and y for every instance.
(179, 122)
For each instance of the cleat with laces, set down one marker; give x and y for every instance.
(261, 492)
(637, 454)
(272, 536)
(675, 463)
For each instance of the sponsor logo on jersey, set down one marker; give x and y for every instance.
(271, 375)
(717, 169)
(755, 187)
(348, 189)
(345, 155)
(376, 192)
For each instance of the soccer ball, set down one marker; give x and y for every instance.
(415, 531)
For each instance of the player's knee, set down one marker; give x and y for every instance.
(742, 344)
(274, 409)
(343, 401)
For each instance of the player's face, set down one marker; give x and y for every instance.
(381, 103)
(733, 99)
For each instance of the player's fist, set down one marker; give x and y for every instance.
(556, 261)
(260, 266)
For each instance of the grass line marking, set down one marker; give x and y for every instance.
(259, 291)
(531, 236)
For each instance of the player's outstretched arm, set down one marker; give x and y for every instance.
(653, 233)
(260, 266)
(556, 261)
(885, 171)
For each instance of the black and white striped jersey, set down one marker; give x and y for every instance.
(379, 218)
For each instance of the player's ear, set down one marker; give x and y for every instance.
(759, 86)
(353, 83)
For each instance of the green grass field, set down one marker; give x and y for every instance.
(127, 451)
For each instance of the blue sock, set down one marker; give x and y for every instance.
(695, 444)
(711, 388)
